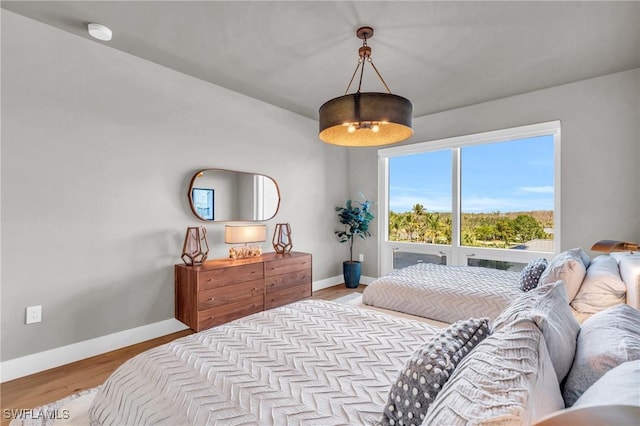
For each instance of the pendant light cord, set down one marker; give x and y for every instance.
(353, 76)
(379, 76)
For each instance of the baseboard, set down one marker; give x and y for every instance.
(366, 280)
(34, 363)
(338, 279)
(326, 283)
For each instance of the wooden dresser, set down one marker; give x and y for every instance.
(222, 290)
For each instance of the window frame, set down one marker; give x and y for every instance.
(456, 253)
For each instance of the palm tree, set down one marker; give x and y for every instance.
(433, 224)
(417, 213)
(395, 224)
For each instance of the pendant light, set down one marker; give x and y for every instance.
(365, 119)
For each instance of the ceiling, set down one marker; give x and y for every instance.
(297, 55)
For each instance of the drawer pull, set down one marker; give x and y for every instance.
(211, 299)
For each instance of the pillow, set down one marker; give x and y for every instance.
(601, 415)
(425, 373)
(530, 275)
(507, 379)
(548, 308)
(569, 266)
(586, 260)
(618, 386)
(601, 288)
(630, 274)
(606, 340)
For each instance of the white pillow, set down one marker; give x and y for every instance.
(601, 288)
(630, 274)
(570, 267)
(548, 308)
(507, 379)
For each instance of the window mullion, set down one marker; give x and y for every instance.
(455, 206)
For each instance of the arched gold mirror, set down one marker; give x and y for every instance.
(228, 195)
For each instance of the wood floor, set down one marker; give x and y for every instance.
(51, 385)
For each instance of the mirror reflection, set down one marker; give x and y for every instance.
(228, 195)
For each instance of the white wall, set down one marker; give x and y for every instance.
(98, 148)
(600, 153)
(97, 151)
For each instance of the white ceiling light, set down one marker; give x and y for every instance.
(100, 32)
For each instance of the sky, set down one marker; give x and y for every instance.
(509, 176)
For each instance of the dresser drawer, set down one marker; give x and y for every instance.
(288, 295)
(225, 313)
(226, 276)
(286, 265)
(228, 294)
(292, 279)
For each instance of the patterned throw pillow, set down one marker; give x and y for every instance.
(531, 273)
(429, 368)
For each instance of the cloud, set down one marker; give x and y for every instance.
(526, 198)
(404, 203)
(537, 189)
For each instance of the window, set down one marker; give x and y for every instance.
(489, 199)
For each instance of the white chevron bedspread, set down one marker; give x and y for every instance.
(308, 363)
(444, 293)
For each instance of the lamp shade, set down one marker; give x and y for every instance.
(366, 119)
(244, 234)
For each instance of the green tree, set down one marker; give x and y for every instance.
(527, 228)
(504, 230)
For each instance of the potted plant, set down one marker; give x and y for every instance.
(355, 216)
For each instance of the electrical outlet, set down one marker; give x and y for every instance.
(34, 314)
(361, 257)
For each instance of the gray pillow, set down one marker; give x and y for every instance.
(530, 275)
(547, 306)
(606, 340)
(429, 368)
(619, 386)
(601, 288)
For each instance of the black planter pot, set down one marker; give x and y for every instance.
(351, 272)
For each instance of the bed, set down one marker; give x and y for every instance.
(312, 362)
(444, 293)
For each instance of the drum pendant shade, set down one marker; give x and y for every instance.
(364, 119)
(392, 114)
